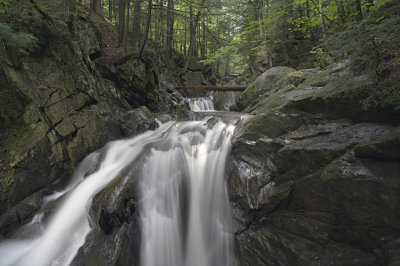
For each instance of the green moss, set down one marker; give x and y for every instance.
(10, 177)
(317, 79)
(18, 144)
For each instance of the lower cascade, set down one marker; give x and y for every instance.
(183, 208)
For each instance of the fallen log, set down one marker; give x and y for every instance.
(213, 88)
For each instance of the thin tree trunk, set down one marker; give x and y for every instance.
(96, 7)
(115, 12)
(121, 23)
(136, 33)
(213, 88)
(184, 41)
(358, 11)
(261, 18)
(170, 27)
(147, 28)
(322, 19)
(193, 28)
(204, 42)
(128, 6)
(69, 8)
(227, 66)
(341, 12)
(110, 9)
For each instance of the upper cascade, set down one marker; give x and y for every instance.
(201, 104)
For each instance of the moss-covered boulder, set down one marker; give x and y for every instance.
(262, 85)
(314, 174)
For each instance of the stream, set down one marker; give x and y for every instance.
(183, 207)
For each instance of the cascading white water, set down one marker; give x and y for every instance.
(60, 239)
(201, 104)
(183, 206)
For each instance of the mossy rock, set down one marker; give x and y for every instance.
(17, 146)
(271, 124)
(263, 85)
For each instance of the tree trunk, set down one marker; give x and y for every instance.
(121, 23)
(358, 11)
(110, 9)
(260, 11)
(192, 35)
(204, 41)
(115, 12)
(126, 30)
(96, 7)
(184, 40)
(170, 27)
(322, 19)
(227, 66)
(136, 34)
(147, 28)
(69, 8)
(341, 12)
(213, 88)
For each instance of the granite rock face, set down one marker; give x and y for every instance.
(55, 108)
(314, 177)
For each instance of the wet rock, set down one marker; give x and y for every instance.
(385, 148)
(115, 238)
(312, 147)
(263, 84)
(270, 246)
(272, 124)
(308, 188)
(137, 121)
(139, 83)
(63, 110)
(116, 249)
(20, 213)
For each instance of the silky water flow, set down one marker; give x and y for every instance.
(184, 212)
(201, 104)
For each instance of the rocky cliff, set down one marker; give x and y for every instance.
(315, 175)
(55, 108)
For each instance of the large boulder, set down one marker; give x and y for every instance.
(312, 183)
(114, 239)
(263, 84)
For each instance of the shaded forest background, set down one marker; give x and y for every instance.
(242, 36)
(231, 36)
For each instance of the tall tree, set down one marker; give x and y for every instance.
(110, 9)
(170, 26)
(126, 30)
(121, 22)
(146, 34)
(69, 8)
(136, 33)
(96, 7)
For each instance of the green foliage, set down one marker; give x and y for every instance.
(372, 41)
(22, 42)
(3, 4)
(384, 96)
(322, 57)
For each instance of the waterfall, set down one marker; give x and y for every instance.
(184, 211)
(184, 205)
(201, 104)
